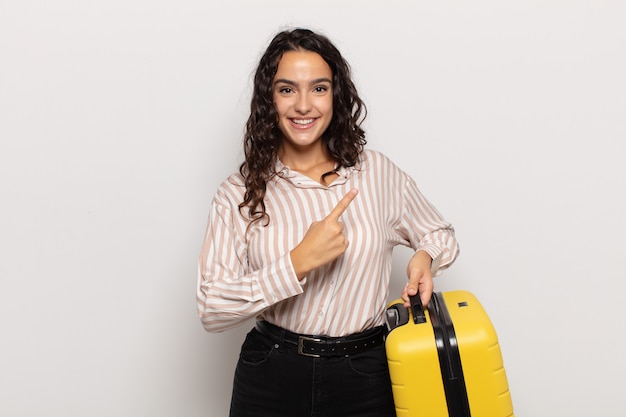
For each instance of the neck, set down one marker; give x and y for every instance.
(311, 164)
(305, 159)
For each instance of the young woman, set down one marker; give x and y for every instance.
(301, 238)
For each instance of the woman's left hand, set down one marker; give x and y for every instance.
(420, 277)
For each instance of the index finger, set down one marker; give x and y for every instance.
(342, 205)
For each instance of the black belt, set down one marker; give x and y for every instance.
(317, 346)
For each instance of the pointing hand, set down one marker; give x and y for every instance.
(324, 241)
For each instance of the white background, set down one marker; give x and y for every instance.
(119, 118)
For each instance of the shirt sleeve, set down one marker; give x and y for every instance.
(426, 229)
(227, 292)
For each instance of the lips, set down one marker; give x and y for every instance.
(302, 122)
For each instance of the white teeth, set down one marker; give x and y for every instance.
(302, 121)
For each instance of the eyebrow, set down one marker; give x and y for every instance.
(293, 83)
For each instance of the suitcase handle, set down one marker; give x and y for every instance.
(417, 309)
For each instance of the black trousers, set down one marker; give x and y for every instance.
(272, 380)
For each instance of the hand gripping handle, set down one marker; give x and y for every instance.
(417, 309)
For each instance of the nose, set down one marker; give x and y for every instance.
(303, 103)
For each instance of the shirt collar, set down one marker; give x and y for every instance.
(299, 180)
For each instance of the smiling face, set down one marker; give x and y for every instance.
(302, 93)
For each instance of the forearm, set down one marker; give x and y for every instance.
(226, 299)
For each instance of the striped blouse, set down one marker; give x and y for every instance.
(246, 272)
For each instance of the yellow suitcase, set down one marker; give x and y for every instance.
(446, 361)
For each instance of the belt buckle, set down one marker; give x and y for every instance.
(301, 340)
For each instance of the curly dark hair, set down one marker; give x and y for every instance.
(344, 138)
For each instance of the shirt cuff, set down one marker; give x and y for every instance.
(436, 254)
(280, 281)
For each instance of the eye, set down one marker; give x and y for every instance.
(320, 89)
(285, 90)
